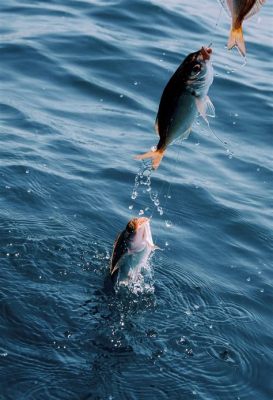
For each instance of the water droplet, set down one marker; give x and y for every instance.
(262, 290)
(141, 212)
(168, 223)
(121, 96)
(258, 169)
(134, 195)
(248, 279)
(131, 207)
(29, 190)
(166, 244)
(135, 83)
(27, 171)
(160, 210)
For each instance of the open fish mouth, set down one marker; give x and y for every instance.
(141, 221)
(206, 53)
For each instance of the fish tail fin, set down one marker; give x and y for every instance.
(156, 157)
(236, 38)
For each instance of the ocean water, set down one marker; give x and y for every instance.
(80, 83)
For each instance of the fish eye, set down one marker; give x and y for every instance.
(196, 69)
(130, 227)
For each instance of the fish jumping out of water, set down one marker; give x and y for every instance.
(131, 251)
(183, 97)
(239, 10)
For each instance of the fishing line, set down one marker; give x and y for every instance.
(224, 143)
(216, 25)
(155, 202)
(138, 181)
(164, 207)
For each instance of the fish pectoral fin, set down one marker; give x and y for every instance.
(156, 157)
(210, 109)
(205, 107)
(236, 38)
(155, 247)
(116, 267)
(256, 8)
(200, 104)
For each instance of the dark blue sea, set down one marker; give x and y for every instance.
(80, 84)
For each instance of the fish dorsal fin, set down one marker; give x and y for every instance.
(256, 8)
(205, 107)
(227, 5)
(156, 126)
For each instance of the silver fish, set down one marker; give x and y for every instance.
(131, 251)
(184, 96)
(239, 10)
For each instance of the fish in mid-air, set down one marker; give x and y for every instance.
(184, 96)
(131, 251)
(239, 10)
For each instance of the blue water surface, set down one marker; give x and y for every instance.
(80, 84)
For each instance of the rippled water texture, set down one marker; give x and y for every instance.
(80, 86)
